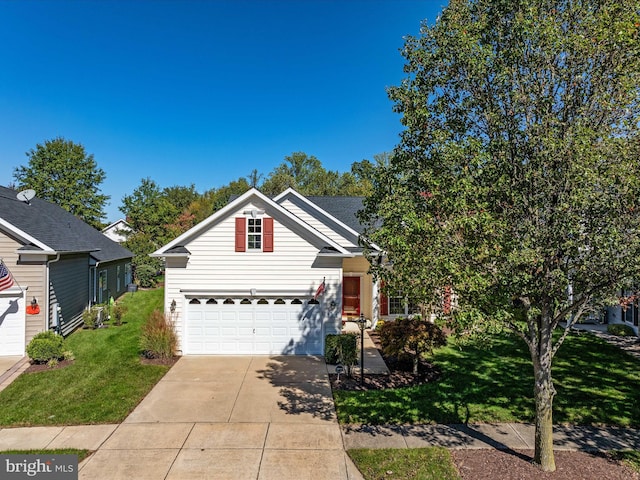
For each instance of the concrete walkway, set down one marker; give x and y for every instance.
(506, 436)
(10, 368)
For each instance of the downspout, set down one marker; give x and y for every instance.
(47, 296)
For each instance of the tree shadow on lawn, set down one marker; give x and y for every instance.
(495, 384)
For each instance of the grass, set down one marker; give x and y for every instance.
(433, 463)
(631, 458)
(82, 454)
(103, 385)
(597, 384)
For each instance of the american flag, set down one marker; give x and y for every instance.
(320, 290)
(6, 280)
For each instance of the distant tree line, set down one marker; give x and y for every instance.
(62, 172)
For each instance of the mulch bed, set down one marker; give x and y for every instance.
(401, 374)
(516, 465)
(40, 367)
(492, 464)
(159, 361)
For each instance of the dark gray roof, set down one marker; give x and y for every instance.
(58, 229)
(342, 208)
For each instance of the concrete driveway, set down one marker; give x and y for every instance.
(230, 418)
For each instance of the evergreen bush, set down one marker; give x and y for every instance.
(46, 346)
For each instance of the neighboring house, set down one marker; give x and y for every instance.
(118, 231)
(628, 316)
(269, 275)
(59, 264)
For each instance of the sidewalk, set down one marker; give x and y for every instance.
(11, 368)
(505, 436)
(373, 362)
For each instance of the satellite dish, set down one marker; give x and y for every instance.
(26, 195)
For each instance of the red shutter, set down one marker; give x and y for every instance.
(384, 301)
(241, 231)
(446, 300)
(267, 234)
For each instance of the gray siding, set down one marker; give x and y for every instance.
(116, 281)
(69, 283)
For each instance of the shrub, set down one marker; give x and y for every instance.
(90, 317)
(621, 330)
(412, 336)
(46, 346)
(117, 311)
(341, 349)
(146, 276)
(158, 338)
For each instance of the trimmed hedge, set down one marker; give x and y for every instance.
(45, 347)
(621, 330)
(341, 349)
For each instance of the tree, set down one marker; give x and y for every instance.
(61, 172)
(149, 212)
(517, 181)
(411, 336)
(306, 174)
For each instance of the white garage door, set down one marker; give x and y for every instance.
(275, 326)
(12, 324)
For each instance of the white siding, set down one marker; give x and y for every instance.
(317, 224)
(29, 277)
(215, 265)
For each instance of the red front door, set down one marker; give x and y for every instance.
(351, 296)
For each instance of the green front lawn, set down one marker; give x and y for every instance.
(82, 454)
(105, 382)
(433, 463)
(597, 383)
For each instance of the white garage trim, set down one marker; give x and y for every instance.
(226, 325)
(12, 322)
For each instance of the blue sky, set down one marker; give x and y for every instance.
(201, 92)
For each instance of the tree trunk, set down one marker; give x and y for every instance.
(544, 393)
(416, 363)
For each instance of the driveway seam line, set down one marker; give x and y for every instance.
(264, 447)
(235, 400)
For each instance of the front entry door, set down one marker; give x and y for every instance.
(351, 296)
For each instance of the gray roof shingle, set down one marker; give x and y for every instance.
(58, 229)
(342, 208)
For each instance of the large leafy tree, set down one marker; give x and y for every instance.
(517, 180)
(306, 174)
(151, 211)
(62, 172)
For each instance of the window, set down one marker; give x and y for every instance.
(254, 240)
(254, 234)
(630, 314)
(396, 305)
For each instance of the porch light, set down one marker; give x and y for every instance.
(172, 307)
